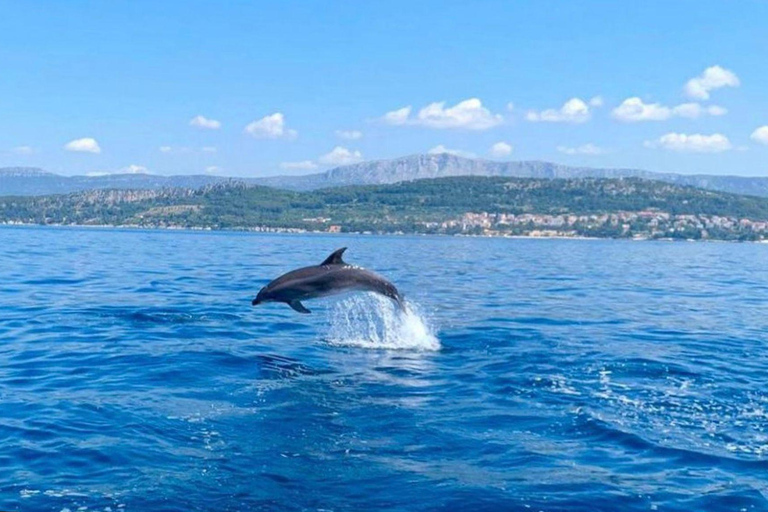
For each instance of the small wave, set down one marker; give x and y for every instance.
(275, 366)
(373, 321)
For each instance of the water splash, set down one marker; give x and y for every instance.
(372, 321)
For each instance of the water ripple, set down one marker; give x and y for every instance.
(546, 375)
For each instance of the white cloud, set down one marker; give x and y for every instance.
(634, 109)
(397, 117)
(84, 145)
(212, 169)
(760, 135)
(208, 149)
(694, 143)
(349, 134)
(596, 102)
(270, 127)
(574, 110)
(184, 149)
(130, 169)
(205, 123)
(695, 110)
(303, 165)
(341, 156)
(23, 150)
(469, 114)
(712, 78)
(584, 149)
(440, 150)
(510, 106)
(135, 169)
(689, 110)
(501, 149)
(716, 110)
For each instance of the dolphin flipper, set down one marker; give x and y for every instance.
(298, 306)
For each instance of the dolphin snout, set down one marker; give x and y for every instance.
(260, 297)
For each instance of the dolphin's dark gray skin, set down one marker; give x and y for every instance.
(331, 277)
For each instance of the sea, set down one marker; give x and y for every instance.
(525, 375)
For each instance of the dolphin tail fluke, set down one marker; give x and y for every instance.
(298, 306)
(400, 301)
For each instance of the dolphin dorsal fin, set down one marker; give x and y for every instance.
(335, 257)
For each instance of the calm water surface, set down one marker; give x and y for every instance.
(565, 375)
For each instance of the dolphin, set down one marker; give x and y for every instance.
(331, 277)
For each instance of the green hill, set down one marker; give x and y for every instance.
(598, 207)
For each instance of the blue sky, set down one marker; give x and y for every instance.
(263, 88)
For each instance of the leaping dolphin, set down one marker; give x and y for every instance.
(331, 277)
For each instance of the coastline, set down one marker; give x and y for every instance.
(299, 231)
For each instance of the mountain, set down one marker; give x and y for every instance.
(444, 165)
(416, 167)
(29, 181)
(24, 172)
(616, 208)
(26, 181)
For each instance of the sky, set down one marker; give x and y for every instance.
(263, 88)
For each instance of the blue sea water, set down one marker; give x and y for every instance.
(540, 375)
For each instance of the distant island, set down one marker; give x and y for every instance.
(467, 205)
(32, 181)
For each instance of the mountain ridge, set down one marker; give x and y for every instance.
(27, 181)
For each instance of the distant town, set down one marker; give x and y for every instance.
(629, 208)
(637, 225)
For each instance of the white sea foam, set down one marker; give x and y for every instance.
(372, 321)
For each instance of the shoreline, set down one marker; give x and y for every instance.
(299, 231)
